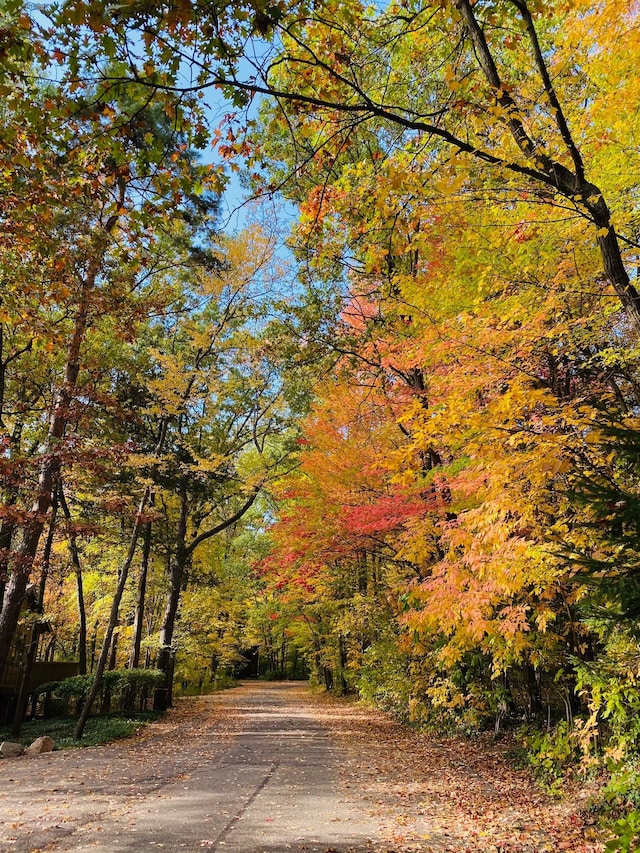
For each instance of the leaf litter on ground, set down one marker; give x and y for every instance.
(449, 793)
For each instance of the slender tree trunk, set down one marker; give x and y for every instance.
(92, 650)
(113, 619)
(342, 650)
(23, 693)
(106, 696)
(172, 666)
(171, 610)
(82, 613)
(283, 658)
(6, 536)
(82, 628)
(177, 572)
(113, 656)
(8, 526)
(138, 622)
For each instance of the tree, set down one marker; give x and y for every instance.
(204, 407)
(98, 248)
(494, 108)
(224, 404)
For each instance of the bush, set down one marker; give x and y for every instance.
(124, 688)
(384, 679)
(552, 753)
(99, 729)
(622, 792)
(627, 834)
(222, 680)
(75, 687)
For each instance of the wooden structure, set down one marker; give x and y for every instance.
(31, 630)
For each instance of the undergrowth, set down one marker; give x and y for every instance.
(99, 729)
(556, 757)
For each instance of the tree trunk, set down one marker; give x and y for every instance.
(82, 613)
(614, 268)
(92, 650)
(82, 628)
(50, 465)
(23, 694)
(106, 696)
(8, 526)
(166, 652)
(6, 536)
(342, 681)
(134, 657)
(113, 619)
(177, 572)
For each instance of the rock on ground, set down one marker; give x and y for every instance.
(40, 744)
(9, 749)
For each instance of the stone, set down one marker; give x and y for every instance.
(40, 744)
(9, 749)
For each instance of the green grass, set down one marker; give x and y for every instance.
(100, 729)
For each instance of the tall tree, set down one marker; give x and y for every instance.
(224, 405)
(481, 104)
(98, 191)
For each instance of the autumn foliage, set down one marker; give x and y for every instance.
(426, 445)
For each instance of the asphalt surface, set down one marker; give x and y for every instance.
(252, 771)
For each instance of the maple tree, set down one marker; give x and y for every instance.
(495, 339)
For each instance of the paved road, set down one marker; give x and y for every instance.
(268, 768)
(253, 771)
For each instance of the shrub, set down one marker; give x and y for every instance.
(124, 688)
(627, 834)
(551, 753)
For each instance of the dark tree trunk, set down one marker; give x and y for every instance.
(177, 572)
(106, 696)
(138, 622)
(23, 694)
(8, 526)
(166, 653)
(113, 619)
(82, 613)
(342, 650)
(92, 650)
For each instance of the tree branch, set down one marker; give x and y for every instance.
(212, 531)
(561, 121)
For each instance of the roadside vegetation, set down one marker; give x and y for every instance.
(101, 729)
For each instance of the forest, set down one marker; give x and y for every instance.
(386, 436)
